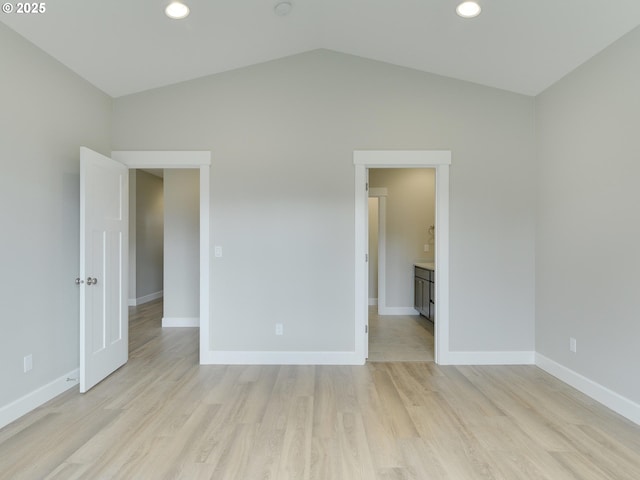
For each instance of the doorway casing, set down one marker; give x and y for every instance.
(440, 160)
(185, 159)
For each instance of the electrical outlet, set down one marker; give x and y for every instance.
(279, 329)
(426, 247)
(573, 345)
(217, 251)
(28, 363)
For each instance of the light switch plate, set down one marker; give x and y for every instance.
(28, 363)
(217, 251)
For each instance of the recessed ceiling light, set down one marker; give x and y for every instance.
(468, 9)
(176, 10)
(283, 8)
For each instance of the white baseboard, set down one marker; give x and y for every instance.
(488, 358)
(373, 301)
(218, 357)
(33, 400)
(180, 322)
(616, 402)
(397, 310)
(134, 302)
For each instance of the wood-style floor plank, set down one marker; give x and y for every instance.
(164, 416)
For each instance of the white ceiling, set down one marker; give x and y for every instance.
(127, 46)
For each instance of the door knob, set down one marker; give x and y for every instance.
(91, 281)
(79, 281)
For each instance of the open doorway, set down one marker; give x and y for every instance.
(440, 160)
(104, 231)
(200, 161)
(163, 243)
(401, 223)
(146, 235)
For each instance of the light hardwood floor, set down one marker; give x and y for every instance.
(399, 338)
(164, 416)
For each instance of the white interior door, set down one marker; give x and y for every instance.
(104, 222)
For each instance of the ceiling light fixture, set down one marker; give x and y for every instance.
(176, 10)
(468, 9)
(283, 9)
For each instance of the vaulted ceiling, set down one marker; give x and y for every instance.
(127, 46)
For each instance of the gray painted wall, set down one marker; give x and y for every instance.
(282, 179)
(588, 222)
(47, 112)
(410, 212)
(149, 234)
(181, 243)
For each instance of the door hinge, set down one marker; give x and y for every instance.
(366, 186)
(366, 329)
(366, 257)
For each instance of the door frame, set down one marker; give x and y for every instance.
(185, 159)
(440, 160)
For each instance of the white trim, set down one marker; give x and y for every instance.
(441, 284)
(361, 321)
(397, 311)
(402, 158)
(38, 397)
(280, 358)
(440, 160)
(133, 302)
(491, 358)
(162, 159)
(180, 322)
(616, 402)
(205, 261)
(373, 302)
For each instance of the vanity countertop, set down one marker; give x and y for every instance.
(426, 265)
